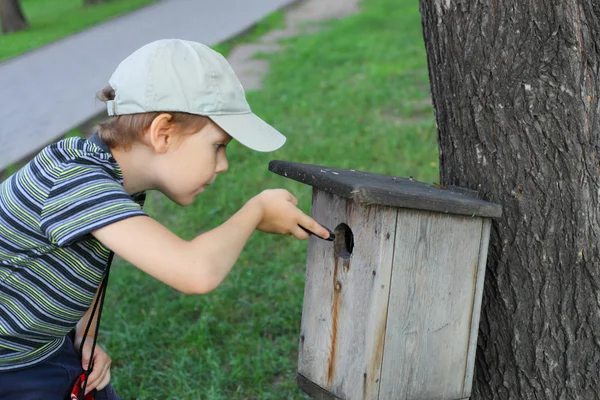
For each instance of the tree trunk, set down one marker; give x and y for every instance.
(515, 90)
(12, 16)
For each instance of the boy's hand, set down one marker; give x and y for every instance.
(100, 376)
(280, 215)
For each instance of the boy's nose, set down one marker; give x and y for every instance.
(222, 165)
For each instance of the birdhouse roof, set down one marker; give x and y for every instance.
(369, 188)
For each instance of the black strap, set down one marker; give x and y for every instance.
(99, 299)
(101, 293)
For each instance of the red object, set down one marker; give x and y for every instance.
(76, 391)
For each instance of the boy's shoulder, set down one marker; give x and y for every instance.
(75, 154)
(74, 149)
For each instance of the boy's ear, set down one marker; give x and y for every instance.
(161, 133)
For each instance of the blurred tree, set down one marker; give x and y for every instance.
(11, 16)
(515, 87)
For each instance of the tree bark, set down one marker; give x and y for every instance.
(515, 90)
(11, 16)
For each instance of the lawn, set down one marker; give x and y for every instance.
(53, 20)
(354, 95)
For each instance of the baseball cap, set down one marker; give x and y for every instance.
(186, 76)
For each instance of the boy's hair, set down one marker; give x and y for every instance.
(124, 130)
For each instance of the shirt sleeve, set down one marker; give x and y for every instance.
(83, 199)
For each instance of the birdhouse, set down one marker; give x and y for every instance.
(391, 307)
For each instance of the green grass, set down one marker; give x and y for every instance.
(354, 96)
(271, 22)
(53, 20)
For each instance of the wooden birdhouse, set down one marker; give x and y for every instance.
(391, 307)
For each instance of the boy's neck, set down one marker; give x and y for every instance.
(136, 174)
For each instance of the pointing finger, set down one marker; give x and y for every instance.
(300, 233)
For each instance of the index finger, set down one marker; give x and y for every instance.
(99, 364)
(95, 382)
(312, 226)
(97, 370)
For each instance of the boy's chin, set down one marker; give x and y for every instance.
(182, 200)
(187, 201)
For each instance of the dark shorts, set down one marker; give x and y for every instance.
(51, 379)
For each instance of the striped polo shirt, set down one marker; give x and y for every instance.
(50, 264)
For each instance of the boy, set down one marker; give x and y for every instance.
(175, 105)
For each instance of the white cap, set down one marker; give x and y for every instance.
(179, 75)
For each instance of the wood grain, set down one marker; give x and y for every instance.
(476, 313)
(345, 300)
(434, 276)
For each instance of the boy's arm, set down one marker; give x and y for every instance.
(199, 266)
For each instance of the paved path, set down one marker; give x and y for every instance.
(51, 90)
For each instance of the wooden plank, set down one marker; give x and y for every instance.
(369, 188)
(429, 316)
(345, 301)
(476, 313)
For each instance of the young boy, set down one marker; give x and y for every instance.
(174, 107)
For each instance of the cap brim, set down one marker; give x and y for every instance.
(250, 131)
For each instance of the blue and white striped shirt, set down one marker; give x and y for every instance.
(50, 264)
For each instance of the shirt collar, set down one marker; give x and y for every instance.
(100, 143)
